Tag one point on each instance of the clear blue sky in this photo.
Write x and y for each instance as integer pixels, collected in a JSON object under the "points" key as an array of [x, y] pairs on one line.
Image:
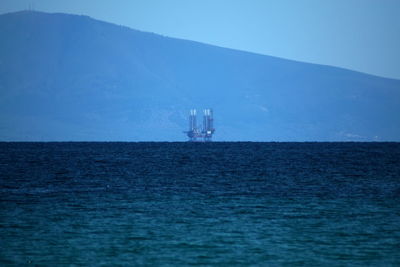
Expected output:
{"points": [[361, 35]]}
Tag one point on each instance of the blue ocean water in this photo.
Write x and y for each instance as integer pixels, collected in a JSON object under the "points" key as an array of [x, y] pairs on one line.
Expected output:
{"points": [[200, 204]]}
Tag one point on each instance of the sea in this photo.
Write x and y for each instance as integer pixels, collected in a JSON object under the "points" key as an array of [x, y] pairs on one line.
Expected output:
{"points": [[204, 204]]}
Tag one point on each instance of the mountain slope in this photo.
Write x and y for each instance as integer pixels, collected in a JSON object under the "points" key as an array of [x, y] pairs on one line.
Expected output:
{"points": [[67, 77]]}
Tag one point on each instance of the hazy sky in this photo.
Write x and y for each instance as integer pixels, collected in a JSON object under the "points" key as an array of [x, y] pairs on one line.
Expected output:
{"points": [[361, 35]]}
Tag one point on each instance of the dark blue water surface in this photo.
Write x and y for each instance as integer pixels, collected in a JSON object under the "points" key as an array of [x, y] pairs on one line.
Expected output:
{"points": [[200, 203]]}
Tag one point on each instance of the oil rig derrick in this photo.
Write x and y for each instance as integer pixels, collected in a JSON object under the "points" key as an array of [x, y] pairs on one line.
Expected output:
{"points": [[197, 133]]}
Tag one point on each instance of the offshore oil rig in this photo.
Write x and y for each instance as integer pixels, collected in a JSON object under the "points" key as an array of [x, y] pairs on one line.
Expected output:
{"points": [[197, 133]]}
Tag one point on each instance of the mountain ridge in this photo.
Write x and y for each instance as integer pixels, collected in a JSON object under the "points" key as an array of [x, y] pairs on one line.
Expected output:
{"points": [[95, 80], [193, 41]]}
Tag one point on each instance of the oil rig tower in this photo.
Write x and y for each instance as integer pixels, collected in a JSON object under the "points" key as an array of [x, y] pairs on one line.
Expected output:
{"points": [[197, 133]]}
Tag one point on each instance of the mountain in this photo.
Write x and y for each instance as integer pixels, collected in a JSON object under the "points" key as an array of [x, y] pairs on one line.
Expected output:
{"points": [[70, 78]]}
